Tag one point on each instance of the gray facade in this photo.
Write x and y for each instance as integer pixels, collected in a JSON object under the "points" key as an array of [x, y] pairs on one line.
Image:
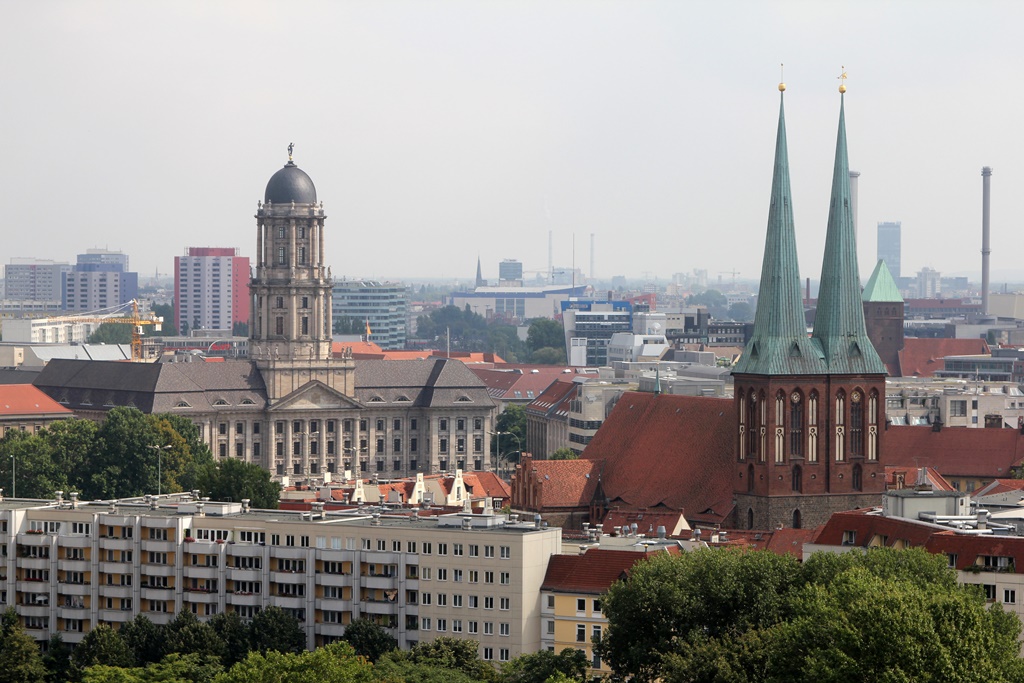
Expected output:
{"points": [[380, 306], [890, 246], [28, 279]]}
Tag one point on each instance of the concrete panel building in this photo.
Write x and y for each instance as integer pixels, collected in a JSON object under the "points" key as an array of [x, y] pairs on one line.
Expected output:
{"points": [[211, 289], [379, 307], [30, 279]]}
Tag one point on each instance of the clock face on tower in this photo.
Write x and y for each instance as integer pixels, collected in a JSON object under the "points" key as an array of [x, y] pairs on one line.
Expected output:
{"points": [[795, 397]]}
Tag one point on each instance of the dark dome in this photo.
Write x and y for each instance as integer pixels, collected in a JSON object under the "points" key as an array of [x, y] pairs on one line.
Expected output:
{"points": [[290, 184]]}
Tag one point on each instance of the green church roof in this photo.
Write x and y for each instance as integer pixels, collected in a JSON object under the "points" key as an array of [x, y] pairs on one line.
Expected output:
{"points": [[839, 321], [881, 286], [779, 344]]}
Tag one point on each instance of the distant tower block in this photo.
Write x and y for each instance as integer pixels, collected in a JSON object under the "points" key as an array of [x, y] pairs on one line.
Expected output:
{"points": [[593, 273], [890, 246]]}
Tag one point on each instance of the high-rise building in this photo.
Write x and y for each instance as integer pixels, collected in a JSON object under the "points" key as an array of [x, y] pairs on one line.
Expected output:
{"points": [[810, 410], [100, 279], [510, 270], [889, 246], [589, 326], [211, 289], [378, 307], [29, 279]]}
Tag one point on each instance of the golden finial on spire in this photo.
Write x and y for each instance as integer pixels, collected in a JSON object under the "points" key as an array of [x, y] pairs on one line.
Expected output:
{"points": [[291, 147], [782, 79], [842, 77]]}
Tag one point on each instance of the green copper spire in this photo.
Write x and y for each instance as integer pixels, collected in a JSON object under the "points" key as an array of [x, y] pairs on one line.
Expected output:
{"points": [[839, 322], [779, 344], [881, 287]]}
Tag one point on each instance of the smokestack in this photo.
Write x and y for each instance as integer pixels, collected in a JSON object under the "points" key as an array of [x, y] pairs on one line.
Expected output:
{"points": [[854, 181], [593, 275], [551, 256], [986, 249]]}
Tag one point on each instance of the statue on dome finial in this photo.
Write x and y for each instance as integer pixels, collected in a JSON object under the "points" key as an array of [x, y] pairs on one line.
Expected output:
{"points": [[291, 148], [842, 77]]}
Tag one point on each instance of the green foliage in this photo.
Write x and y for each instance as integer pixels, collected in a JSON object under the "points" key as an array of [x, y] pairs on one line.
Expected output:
{"points": [[540, 667], [454, 655], [20, 660], [716, 302], [111, 333], [741, 311], [101, 645], [240, 329], [186, 634], [512, 425], [463, 325], [173, 668], [334, 663], [234, 480], [234, 632], [563, 454], [369, 639], [545, 333], [144, 638], [57, 660], [275, 629], [344, 324], [885, 615], [167, 328], [548, 355]]}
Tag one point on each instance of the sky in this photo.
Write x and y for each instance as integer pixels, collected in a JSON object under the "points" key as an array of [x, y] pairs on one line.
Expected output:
{"points": [[438, 132]]}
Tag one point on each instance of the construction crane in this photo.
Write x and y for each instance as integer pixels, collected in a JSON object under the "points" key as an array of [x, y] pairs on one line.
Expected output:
{"points": [[734, 273], [110, 315]]}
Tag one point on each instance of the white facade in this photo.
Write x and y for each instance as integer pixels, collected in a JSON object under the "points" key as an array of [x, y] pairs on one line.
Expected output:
{"points": [[204, 292], [47, 331]]}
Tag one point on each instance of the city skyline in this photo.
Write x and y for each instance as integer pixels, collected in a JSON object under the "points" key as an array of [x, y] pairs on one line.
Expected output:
{"points": [[475, 129]]}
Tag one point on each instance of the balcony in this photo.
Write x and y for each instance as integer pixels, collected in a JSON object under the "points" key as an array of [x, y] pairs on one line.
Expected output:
{"points": [[73, 589], [34, 539], [34, 610], [334, 579], [34, 562], [200, 572], [200, 596], [334, 630], [116, 543], [289, 553], [118, 615], [72, 637], [246, 550], [157, 593], [40, 635], [385, 582], [74, 541], [156, 569], [288, 577], [73, 612], [73, 565], [288, 601], [236, 574], [115, 591], [116, 567], [379, 607], [32, 586], [151, 545], [159, 618], [334, 604], [248, 599]]}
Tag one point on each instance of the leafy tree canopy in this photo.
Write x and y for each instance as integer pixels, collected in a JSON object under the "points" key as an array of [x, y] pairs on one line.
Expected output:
{"points": [[541, 667], [545, 333], [111, 333], [548, 355], [369, 639], [334, 663], [563, 454], [275, 629], [234, 480]]}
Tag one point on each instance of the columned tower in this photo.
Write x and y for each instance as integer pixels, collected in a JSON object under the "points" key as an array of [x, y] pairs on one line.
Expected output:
{"points": [[808, 408], [290, 334]]}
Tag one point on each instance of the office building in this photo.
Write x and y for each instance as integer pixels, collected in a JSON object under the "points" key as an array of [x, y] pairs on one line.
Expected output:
{"points": [[890, 246], [379, 307], [74, 565], [589, 326], [99, 280], [29, 279], [510, 271], [515, 304], [211, 289]]}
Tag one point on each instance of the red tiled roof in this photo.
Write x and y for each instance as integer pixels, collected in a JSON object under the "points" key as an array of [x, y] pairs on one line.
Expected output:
{"points": [[922, 357], [1000, 486], [554, 401], [790, 541], [955, 451], [968, 548], [937, 481], [671, 451], [486, 484], [647, 522], [520, 383], [26, 399], [592, 573], [866, 527], [562, 483]]}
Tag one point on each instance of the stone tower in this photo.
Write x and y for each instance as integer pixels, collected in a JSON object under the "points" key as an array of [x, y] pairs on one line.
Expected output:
{"points": [[290, 334], [883, 315], [808, 409]]}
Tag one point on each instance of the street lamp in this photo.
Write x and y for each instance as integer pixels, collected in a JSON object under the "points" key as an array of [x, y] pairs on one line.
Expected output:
{"points": [[14, 478], [497, 443], [160, 466]]}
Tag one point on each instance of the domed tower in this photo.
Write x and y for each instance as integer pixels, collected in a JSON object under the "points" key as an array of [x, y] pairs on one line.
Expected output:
{"points": [[290, 334]]}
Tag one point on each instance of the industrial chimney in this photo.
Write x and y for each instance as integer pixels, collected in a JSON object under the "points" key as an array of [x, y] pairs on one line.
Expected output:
{"points": [[986, 247]]}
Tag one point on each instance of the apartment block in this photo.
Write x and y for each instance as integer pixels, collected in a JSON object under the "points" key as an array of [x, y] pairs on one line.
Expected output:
{"points": [[211, 289], [69, 566]]}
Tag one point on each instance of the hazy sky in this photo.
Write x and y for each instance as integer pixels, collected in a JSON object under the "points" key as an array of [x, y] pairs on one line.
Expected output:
{"points": [[437, 131]]}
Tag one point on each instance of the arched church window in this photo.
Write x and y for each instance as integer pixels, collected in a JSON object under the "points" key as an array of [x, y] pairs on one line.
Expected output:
{"points": [[858, 478], [798, 479], [796, 424], [856, 423]]}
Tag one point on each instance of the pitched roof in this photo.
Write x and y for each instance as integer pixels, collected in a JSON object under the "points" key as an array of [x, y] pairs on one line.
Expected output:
{"points": [[432, 382], [561, 483], [554, 401], [955, 451], [522, 382], [921, 357], [839, 327], [666, 450], [486, 484], [881, 287], [591, 573], [25, 399], [779, 344], [867, 527]]}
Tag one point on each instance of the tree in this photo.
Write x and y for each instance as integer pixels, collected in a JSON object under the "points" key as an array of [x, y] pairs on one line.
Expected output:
{"points": [[716, 302], [167, 328], [512, 425], [548, 355], [173, 668], [347, 325], [369, 639], [144, 638], [235, 634], [57, 659], [741, 311], [101, 645], [452, 654], [541, 666], [187, 635], [20, 660], [563, 454], [275, 629], [240, 329], [334, 663], [235, 480], [111, 333], [545, 333]]}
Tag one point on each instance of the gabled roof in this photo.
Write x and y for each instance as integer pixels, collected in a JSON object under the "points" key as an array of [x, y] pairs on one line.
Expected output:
{"points": [[955, 451], [25, 399], [881, 287], [667, 451], [839, 328], [591, 573], [554, 401], [419, 383], [864, 528], [779, 345], [562, 483], [521, 382], [483, 484], [921, 357]]}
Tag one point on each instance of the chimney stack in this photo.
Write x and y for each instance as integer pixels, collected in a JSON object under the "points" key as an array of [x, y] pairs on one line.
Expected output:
{"points": [[986, 249]]}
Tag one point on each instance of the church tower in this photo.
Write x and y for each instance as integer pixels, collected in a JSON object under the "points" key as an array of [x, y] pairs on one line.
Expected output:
{"points": [[290, 331], [808, 409]]}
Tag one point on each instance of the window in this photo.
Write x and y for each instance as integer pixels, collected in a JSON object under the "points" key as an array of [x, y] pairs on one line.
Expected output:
{"points": [[503, 654], [597, 607], [442, 624], [442, 548], [472, 627], [474, 550], [990, 592], [457, 600], [488, 551], [473, 601], [505, 578], [506, 552], [442, 574], [551, 602], [503, 629], [442, 599], [505, 604], [958, 408], [488, 628], [488, 652], [442, 425], [1010, 596], [488, 602], [457, 575], [581, 604], [488, 577], [425, 623], [581, 633]]}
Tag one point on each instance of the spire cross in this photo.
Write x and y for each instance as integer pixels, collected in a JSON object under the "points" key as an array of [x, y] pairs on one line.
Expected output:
{"points": [[842, 79], [291, 147]]}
